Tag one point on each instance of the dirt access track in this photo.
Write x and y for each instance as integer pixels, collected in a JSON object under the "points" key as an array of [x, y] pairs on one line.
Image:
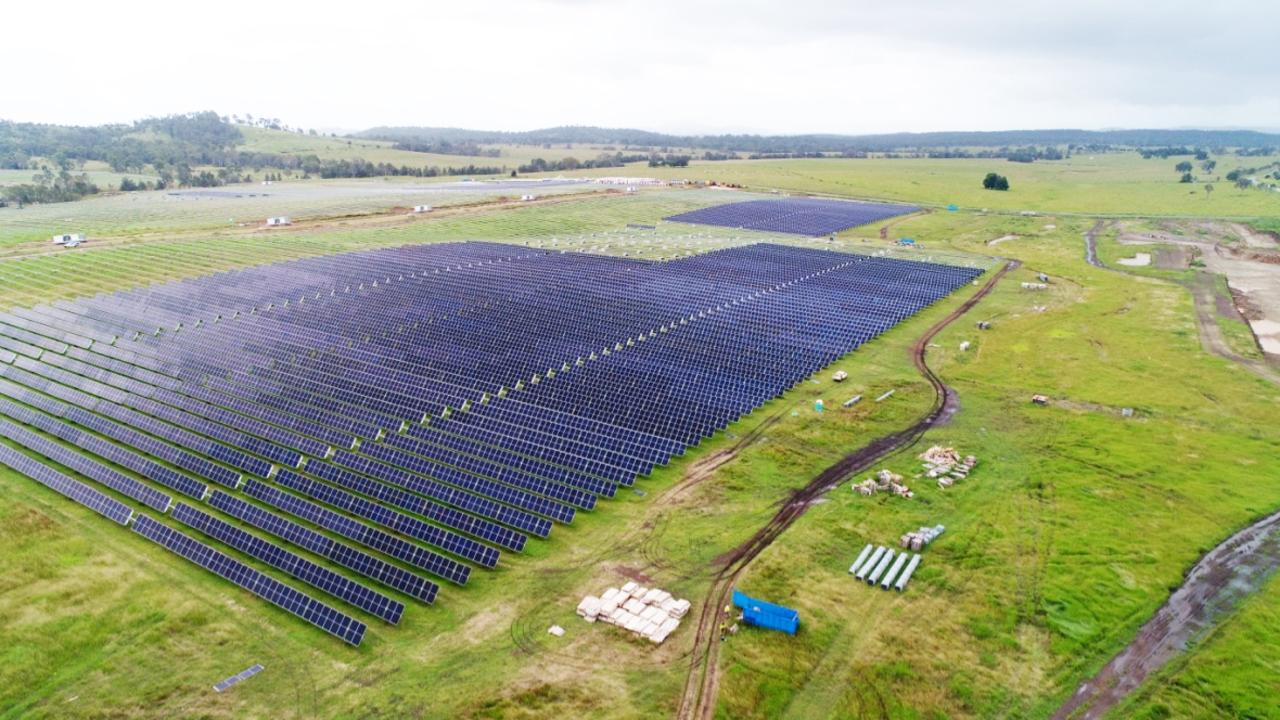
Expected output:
{"points": [[699, 697], [1250, 261]]}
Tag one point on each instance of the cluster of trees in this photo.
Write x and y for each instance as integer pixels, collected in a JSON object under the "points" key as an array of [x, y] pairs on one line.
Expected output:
{"points": [[266, 123], [669, 160], [995, 182], [603, 160], [1253, 177], [48, 186], [1165, 152], [360, 168], [446, 148], [189, 150], [1185, 168]]}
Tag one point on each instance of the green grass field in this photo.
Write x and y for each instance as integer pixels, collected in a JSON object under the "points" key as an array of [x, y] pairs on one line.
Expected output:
{"points": [[1066, 538], [330, 148], [1232, 673], [1107, 184]]}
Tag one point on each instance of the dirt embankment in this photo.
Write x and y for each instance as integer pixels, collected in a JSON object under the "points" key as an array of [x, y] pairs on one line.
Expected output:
{"points": [[1248, 259]]}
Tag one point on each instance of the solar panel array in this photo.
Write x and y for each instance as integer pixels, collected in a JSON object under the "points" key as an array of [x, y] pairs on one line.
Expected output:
{"points": [[407, 415], [797, 216]]}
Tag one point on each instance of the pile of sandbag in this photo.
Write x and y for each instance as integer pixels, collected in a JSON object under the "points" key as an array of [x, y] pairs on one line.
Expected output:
{"points": [[884, 481], [652, 613], [945, 464], [917, 539]]}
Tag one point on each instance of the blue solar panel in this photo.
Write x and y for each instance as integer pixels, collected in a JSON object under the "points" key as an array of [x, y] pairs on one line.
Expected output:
{"points": [[91, 469], [798, 216], [312, 574], [390, 545], [107, 507], [474, 395], [344, 555], [268, 588]]}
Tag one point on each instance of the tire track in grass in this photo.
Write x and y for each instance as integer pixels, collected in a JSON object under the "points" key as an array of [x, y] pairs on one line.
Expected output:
{"points": [[699, 697]]}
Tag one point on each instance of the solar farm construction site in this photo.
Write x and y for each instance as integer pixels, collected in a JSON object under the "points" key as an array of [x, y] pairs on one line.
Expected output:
{"points": [[640, 440], [399, 400]]}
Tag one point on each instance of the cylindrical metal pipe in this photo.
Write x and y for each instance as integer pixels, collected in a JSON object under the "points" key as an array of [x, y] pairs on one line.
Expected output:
{"points": [[883, 565], [862, 556], [906, 573], [887, 580], [870, 564]]}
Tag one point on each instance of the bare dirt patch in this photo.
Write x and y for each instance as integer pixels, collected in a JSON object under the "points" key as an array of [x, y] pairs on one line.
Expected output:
{"points": [[1138, 260], [1253, 273]]}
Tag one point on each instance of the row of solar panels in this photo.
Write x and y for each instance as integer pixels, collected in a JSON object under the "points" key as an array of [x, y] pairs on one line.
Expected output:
{"points": [[328, 421]]}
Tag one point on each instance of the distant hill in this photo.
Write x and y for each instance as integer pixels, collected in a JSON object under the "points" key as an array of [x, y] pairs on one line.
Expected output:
{"points": [[826, 143]]}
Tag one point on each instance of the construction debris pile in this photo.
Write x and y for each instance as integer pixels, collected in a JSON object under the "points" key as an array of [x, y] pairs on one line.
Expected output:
{"points": [[918, 539], [945, 464], [649, 612], [884, 481], [882, 565]]}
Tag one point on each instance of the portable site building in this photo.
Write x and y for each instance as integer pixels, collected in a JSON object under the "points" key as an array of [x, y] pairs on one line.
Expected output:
{"points": [[765, 614], [280, 221], [68, 238], [422, 208]]}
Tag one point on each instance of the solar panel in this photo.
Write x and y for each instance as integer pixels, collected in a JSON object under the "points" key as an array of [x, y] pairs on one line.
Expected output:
{"points": [[361, 562], [463, 396], [105, 506], [390, 545], [268, 588], [117, 481], [800, 216], [312, 574], [239, 677]]}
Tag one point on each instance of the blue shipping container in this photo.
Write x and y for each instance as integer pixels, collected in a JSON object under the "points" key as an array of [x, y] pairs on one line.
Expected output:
{"points": [[765, 614]]}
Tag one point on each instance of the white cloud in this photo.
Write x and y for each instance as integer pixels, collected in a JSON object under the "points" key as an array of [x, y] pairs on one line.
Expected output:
{"points": [[745, 65]]}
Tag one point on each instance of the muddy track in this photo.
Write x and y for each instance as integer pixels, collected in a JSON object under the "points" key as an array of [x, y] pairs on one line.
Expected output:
{"points": [[1214, 586], [1091, 245], [699, 697]]}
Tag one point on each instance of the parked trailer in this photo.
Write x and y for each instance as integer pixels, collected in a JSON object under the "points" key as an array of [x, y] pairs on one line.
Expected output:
{"points": [[887, 581], [906, 573], [874, 577], [862, 556], [871, 562], [765, 614]]}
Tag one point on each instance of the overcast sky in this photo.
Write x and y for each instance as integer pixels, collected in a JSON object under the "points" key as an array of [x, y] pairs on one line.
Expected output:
{"points": [[787, 66]]}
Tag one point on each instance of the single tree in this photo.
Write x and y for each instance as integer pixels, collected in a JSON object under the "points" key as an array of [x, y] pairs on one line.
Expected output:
{"points": [[1183, 167], [995, 182], [1208, 189], [1187, 178]]}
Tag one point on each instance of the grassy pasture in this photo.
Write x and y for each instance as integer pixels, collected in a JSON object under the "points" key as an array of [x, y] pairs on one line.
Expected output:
{"points": [[1232, 673], [1104, 184], [1066, 538], [331, 148], [237, 206]]}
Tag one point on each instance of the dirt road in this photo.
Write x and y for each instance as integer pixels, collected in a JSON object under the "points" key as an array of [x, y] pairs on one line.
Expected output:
{"points": [[701, 686]]}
